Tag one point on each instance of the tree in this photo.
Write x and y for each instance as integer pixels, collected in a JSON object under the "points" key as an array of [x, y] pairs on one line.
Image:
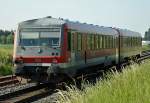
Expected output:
{"points": [[147, 35], [9, 39], [6, 37], [3, 39]]}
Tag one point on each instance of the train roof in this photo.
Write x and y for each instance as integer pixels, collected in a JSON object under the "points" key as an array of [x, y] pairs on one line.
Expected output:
{"points": [[126, 32], [82, 27]]}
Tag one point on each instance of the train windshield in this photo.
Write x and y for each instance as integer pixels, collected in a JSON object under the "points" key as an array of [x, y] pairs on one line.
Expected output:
{"points": [[40, 38]]}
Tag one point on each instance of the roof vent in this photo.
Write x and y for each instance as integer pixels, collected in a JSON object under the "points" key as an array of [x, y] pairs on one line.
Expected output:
{"points": [[61, 18], [49, 17]]}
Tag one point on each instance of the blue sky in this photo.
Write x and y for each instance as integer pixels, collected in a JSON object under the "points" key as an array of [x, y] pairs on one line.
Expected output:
{"points": [[128, 14]]}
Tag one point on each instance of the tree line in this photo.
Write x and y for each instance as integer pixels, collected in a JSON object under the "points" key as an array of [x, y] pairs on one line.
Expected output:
{"points": [[147, 35], [6, 37]]}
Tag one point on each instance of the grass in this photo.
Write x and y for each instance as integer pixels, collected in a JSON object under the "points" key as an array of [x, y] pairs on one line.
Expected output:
{"points": [[6, 59], [146, 47], [130, 86]]}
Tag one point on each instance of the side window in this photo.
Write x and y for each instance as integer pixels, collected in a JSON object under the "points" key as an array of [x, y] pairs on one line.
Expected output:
{"points": [[110, 42], [72, 41], [69, 41], [92, 42], [129, 40], [100, 42], [108, 39], [123, 41], [96, 42], [132, 41], [104, 42], [136, 43], [79, 41], [88, 42], [114, 42]]}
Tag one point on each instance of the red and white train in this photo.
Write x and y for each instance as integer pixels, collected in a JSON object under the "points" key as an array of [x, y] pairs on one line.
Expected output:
{"points": [[53, 49]]}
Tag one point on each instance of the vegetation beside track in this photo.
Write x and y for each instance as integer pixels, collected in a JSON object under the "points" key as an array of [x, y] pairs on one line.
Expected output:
{"points": [[6, 59], [130, 86], [145, 47]]}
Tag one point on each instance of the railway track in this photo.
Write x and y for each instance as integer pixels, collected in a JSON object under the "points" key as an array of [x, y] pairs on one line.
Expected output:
{"points": [[8, 80], [145, 55], [28, 94]]}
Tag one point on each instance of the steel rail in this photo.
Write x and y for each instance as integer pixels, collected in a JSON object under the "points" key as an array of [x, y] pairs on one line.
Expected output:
{"points": [[27, 94]]}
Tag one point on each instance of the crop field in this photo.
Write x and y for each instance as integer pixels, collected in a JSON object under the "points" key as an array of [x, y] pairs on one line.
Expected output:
{"points": [[6, 66], [130, 86]]}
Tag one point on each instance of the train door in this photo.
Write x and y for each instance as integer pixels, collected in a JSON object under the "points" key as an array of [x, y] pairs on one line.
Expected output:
{"points": [[84, 47], [72, 46], [117, 48]]}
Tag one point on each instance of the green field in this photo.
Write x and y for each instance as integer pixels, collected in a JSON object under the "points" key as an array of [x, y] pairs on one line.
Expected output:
{"points": [[130, 86], [145, 47], [6, 65]]}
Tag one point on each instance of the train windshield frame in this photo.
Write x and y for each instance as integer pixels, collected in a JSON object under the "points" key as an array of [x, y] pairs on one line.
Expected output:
{"points": [[50, 37]]}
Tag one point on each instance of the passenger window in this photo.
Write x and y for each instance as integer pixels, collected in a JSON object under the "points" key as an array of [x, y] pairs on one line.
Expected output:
{"points": [[131, 42], [96, 42], [110, 42], [72, 42], [79, 41], [128, 41], [92, 42], [114, 42], [88, 42], [69, 41], [136, 41], [100, 42], [104, 42]]}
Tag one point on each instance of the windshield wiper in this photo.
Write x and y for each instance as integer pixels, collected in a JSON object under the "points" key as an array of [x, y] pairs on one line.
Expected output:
{"points": [[22, 47]]}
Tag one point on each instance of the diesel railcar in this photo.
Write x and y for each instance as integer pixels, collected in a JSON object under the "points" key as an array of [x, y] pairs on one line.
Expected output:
{"points": [[52, 49]]}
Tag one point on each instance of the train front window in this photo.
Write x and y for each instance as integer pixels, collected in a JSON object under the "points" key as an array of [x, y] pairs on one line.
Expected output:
{"points": [[29, 39], [50, 39], [40, 37]]}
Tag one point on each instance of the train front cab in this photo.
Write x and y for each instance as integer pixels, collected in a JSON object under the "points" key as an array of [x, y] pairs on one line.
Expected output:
{"points": [[37, 49]]}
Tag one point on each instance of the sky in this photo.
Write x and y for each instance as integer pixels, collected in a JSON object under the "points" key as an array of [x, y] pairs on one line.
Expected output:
{"points": [[127, 14]]}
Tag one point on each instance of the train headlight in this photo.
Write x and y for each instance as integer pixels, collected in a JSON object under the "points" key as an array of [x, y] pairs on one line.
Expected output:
{"points": [[20, 61]]}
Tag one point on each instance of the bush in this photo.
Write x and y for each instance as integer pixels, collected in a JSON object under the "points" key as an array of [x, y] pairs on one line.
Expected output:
{"points": [[5, 59], [5, 69]]}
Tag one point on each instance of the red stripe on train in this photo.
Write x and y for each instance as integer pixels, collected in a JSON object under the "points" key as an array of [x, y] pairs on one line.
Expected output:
{"points": [[41, 59]]}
